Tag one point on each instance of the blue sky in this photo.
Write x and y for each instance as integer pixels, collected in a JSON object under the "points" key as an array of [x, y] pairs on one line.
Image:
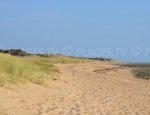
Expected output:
{"points": [[86, 24]]}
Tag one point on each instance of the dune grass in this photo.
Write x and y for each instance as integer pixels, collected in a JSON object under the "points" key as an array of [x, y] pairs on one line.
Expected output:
{"points": [[16, 70]]}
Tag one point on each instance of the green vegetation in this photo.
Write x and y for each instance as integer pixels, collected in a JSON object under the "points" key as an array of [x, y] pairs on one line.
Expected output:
{"points": [[15, 70], [35, 69], [15, 52], [101, 59], [140, 70], [143, 73]]}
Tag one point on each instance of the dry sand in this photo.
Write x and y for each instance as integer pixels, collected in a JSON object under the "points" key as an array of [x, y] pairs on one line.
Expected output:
{"points": [[91, 88]]}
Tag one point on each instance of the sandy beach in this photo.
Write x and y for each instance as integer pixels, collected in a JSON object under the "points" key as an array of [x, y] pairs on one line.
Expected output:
{"points": [[90, 88]]}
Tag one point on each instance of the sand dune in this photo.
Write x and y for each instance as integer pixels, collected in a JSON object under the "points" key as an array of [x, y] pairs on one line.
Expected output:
{"points": [[91, 88]]}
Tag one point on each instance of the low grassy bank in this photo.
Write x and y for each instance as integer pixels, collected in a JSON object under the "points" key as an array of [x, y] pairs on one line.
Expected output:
{"points": [[143, 73], [16, 70], [140, 70]]}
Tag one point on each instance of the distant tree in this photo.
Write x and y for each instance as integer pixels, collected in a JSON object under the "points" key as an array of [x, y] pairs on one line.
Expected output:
{"points": [[1, 51], [15, 52]]}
